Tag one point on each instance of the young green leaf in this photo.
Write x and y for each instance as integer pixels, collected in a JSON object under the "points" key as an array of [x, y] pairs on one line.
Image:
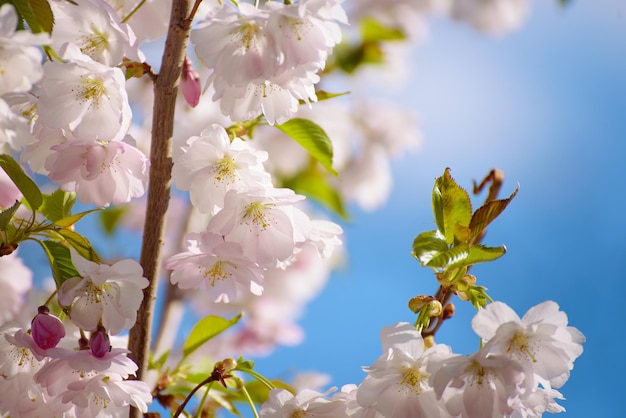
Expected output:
{"points": [[314, 183], [312, 138], [485, 214], [60, 261], [80, 244], [428, 245], [205, 329], [481, 254], [374, 31], [453, 209], [57, 205], [29, 189], [37, 14], [111, 217], [450, 258], [7, 214], [72, 219]]}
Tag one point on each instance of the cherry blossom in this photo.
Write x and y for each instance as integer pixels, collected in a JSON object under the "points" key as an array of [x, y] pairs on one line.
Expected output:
{"points": [[282, 403], [211, 165], [265, 223], [99, 172], [397, 384], [104, 294], [84, 96], [12, 291], [491, 16], [20, 59], [14, 129], [541, 339], [96, 29], [215, 265]]}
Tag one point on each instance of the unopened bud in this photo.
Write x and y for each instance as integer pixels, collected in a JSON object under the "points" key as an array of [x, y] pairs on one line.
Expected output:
{"points": [[190, 84], [417, 303], [448, 311], [99, 342], [435, 308], [47, 329], [463, 286], [229, 364]]}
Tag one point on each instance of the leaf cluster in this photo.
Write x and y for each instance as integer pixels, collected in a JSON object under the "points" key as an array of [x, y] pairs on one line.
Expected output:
{"points": [[50, 222], [452, 248]]}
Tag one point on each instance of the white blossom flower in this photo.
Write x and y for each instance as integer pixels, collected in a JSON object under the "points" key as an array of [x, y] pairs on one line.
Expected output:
{"points": [[482, 385], [99, 172], [541, 339], [217, 266], [85, 97], [96, 29], [211, 165], [150, 21], [491, 16], [14, 129], [282, 403], [15, 278], [264, 222], [397, 384], [102, 293], [20, 59]]}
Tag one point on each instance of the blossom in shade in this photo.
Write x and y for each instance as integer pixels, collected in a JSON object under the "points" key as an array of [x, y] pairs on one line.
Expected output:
{"points": [[210, 165], [15, 278], [541, 340], [481, 385], [109, 295], [14, 129], [491, 16], [215, 265], [99, 172], [397, 384], [84, 96], [20, 59], [47, 329], [282, 403]]}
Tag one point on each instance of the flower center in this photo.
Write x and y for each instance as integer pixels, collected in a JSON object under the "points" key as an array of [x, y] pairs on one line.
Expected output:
{"points": [[91, 90], [413, 380], [298, 414], [94, 44], [225, 170], [256, 214], [217, 272], [521, 346]]}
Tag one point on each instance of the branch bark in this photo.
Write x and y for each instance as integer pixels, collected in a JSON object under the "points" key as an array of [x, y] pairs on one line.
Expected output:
{"points": [[165, 91]]}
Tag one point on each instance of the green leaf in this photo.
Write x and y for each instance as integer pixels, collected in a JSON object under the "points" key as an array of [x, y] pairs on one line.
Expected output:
{"points": [[57, 205], [37, 14], [314, 183], [564, 2], [324, 95], [374, 31], [72, 219], [312, 138], [428, 245], [29, 189], [485, 214], [60, 261], [80, 244], [111, 217], [158, 363], [450, 258], [481, 254], [7, 214], [207, 328], [453, 209]]}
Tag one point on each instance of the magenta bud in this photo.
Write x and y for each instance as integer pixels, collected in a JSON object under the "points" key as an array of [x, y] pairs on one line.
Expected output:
{"points": [[190, 84], [47, 329], [99, 343]]}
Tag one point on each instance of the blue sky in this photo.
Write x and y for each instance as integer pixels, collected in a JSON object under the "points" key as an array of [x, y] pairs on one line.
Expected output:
{"points": [[546, 104]]}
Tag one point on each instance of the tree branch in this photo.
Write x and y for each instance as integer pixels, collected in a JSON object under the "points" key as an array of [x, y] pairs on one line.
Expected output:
{"points": [[165, 91]]}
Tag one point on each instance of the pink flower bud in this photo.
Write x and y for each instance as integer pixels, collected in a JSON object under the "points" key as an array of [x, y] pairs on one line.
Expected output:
{"points": [[99, 343], [47, 329], [190, 84]]}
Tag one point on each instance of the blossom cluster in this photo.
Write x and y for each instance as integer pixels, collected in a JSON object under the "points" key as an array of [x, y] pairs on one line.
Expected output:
{"points": [[51, 368], [516, 373]]}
